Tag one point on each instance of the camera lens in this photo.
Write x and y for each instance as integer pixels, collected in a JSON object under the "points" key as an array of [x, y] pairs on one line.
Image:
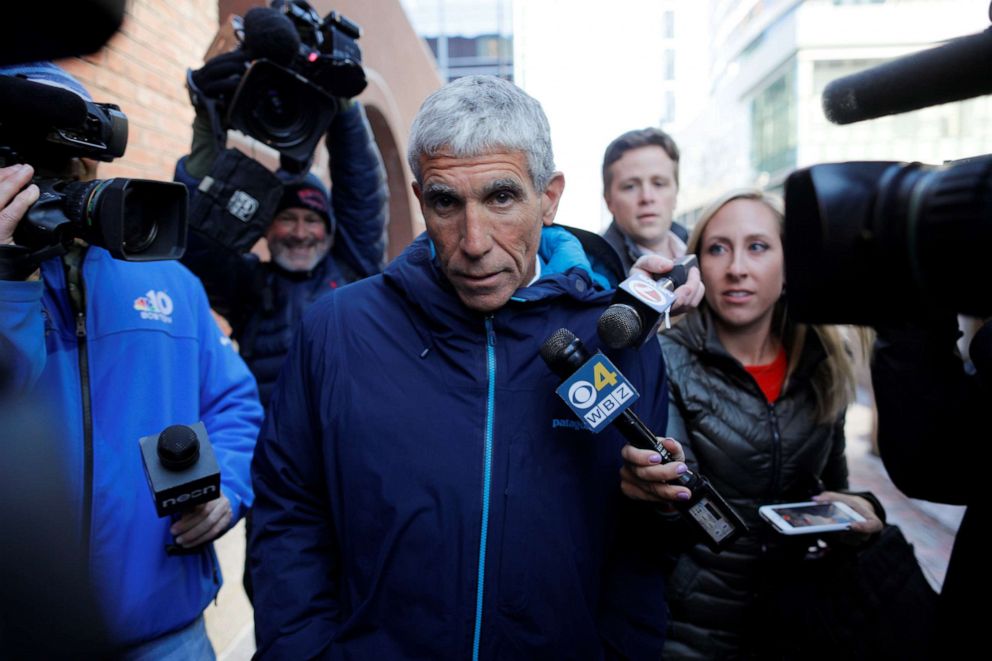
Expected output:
{"points": [[281, 108], [141, 229], [283, 117]]}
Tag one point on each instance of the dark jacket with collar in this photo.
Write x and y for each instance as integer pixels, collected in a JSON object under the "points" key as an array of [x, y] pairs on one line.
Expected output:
{"points": [[754, 453], [422, 492], [627, 250]]}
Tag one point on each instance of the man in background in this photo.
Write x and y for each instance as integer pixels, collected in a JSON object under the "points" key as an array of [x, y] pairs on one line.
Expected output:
{"points": [[640, 186]]}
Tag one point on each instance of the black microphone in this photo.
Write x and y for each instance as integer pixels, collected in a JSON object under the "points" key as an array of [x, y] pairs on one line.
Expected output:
{"points": [[271, 35], [954, 71], [706, 511], [181, 470], [27, 103], [639, 306]]}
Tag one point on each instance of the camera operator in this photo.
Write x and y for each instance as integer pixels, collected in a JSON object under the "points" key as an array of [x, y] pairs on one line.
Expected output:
{"points": [[119, 350], [318, 242]]}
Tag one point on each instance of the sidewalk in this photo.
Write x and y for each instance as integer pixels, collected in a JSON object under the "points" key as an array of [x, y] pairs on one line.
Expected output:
{"points": [[229, 618]]}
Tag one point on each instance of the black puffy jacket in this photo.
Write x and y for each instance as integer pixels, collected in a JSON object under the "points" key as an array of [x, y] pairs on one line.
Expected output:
{"points": [[754, 453]]}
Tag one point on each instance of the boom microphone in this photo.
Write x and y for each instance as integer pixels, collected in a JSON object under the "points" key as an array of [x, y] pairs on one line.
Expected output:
{"points": [[31, 104], [270, 34], [954, 71]]}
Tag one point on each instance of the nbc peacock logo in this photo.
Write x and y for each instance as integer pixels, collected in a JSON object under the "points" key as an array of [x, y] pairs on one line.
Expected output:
{"points": [[154, 305]]}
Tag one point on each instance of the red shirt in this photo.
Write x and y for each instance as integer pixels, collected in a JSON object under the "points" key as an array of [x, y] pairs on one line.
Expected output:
{"points": [[770, 377]]}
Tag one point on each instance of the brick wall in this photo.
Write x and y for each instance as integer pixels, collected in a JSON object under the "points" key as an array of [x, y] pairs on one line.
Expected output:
{"points": [[143, 70]]}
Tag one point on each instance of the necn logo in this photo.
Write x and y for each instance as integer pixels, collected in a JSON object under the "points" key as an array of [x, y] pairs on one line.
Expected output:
{"points": [[154, 305]]}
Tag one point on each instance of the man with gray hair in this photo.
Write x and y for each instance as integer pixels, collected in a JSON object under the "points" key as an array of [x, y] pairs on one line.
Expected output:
{"points": [[420, 489]]}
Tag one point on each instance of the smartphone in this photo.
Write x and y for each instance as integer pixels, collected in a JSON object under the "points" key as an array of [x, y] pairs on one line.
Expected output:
{"points": [[810, 517]]}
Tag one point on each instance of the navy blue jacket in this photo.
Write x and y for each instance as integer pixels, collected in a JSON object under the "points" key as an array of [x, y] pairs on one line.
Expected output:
{"points": [[265, 303], [421, 492]]}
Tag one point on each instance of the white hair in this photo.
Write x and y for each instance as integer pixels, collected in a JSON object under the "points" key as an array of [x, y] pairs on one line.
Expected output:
{"points": [[477, 115]]}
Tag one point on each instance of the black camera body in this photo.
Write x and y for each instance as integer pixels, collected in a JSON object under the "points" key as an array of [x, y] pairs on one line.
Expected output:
{"points": [[300, 65], [879, 243], [46, 127], [329, 54], [100, 133]]}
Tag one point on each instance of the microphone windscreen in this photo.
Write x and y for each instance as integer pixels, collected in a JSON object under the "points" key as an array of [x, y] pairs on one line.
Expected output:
{"points": [[270, 35], [954, 71], [553, 349], [29, 104], [620, 326]]}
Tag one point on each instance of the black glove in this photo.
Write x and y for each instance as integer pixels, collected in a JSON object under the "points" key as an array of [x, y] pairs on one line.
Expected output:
{"points": [[219, 77]]}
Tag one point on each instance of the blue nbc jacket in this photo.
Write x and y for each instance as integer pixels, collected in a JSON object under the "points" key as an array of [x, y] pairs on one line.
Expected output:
{"points": [[422, 492], [145, 354]]}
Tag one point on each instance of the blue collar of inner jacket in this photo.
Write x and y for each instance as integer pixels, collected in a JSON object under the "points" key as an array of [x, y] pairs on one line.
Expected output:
{"points": [[559, 251]]}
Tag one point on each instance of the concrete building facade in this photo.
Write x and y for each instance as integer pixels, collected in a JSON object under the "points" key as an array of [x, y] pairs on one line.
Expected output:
{"points": [[467, 37], [768, 62]]}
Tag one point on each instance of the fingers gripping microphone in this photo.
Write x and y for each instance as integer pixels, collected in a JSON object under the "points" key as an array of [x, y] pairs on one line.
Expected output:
{"points": [[639, 306], [586, 379]]}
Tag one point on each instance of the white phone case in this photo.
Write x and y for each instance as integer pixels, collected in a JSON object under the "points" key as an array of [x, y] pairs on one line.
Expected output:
{"points": [[809, 517]]}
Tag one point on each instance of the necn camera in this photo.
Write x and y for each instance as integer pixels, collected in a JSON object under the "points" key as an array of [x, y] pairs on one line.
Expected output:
{"points": [[47, 126], [300, 65]]}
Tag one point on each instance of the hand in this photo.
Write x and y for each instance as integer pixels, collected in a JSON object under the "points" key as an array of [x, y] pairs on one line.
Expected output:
{"points": [[203, 524], [218, 78], [861, 530], [15, 202], [644, 477], [688, 296]]}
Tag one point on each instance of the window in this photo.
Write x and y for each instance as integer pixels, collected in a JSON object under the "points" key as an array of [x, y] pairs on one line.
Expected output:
{"points": [[668, 24], [773, 125], [668, 114], [669, 64]]}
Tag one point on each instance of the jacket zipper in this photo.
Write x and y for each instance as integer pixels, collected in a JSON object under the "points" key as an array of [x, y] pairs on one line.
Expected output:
{"points": [[486, 480], [84, 389], [776, 451]]}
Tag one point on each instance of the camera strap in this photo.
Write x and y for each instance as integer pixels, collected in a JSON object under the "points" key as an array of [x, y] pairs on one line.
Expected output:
{"points": [[235, 203]]}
